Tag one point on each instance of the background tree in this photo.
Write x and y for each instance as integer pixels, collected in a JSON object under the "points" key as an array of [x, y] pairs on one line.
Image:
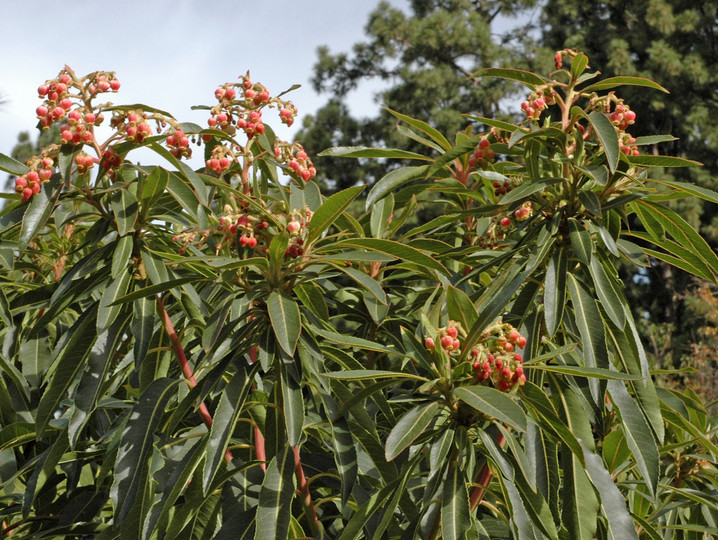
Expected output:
{"points": [[425, 57], [675, 42]]}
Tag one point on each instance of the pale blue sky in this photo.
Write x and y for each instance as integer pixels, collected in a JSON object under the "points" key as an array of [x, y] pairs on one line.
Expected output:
{"points": [[172, 54]]}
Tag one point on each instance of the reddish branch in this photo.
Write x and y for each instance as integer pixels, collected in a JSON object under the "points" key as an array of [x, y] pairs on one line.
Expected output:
{"points": [[259, 447], [7, 531], [483, 479], [303, 488], [184, 365]]}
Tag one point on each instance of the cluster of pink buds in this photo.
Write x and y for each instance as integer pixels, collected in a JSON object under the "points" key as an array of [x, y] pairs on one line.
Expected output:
{"points": [[287, 114], [133, 125], [483, 155], [28, 185], [536, 103], [240, 228], [622, 116], [178, 144], [84, 162], [240, 106], [296, 160], [495, 357], [448, 338], [111, 160], [56, 100], [103, 82], [220, 160], [77, 129], [625, 143], [297, 229]]}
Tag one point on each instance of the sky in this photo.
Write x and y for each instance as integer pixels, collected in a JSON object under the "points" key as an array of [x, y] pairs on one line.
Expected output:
{"points": [[172, 54]]}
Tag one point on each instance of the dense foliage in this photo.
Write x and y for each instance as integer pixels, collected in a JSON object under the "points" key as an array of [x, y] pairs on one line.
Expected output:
{"points": [[226, 353]]}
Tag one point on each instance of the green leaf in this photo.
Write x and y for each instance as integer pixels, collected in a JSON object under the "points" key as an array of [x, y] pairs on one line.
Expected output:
{"points": [[646, 160], [285, 318], [392, 181], [381, 215], [608, 292], [580, 240], [613, 503], [455, 514], [185, 171], [44, 471], [579, 502], [607, 136], [369, 283], [153, 187], [460, 307], [125, 208], [613, 82], [12, 166], [691, 189], [555, 290], [38, 211], [527, 189], [461, 149], [638, 434], [504, 126], [121, 255], [494, 404], [311, 296], [589, 372], [136, 445], [394, 249], [154, 290], [526, 77], [590, 325], [109, 307], [225, 418], [367, 152], [412, 424], [275, 497], [425, 128], [330, 210], [293, 407], [68, 364], [578, 65], [370, 374]]}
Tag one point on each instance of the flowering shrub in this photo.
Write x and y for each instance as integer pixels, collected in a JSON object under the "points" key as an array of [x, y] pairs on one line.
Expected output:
{"points": [[224, 351]]}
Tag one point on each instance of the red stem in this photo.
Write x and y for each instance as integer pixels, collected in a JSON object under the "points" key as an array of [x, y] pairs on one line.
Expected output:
{"points": [[483, 479], [184, 365], [259, 447], [303, 488]]}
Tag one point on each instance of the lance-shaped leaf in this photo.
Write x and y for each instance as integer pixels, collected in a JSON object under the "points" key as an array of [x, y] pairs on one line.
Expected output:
{"points": [[455, 514], [623, 80], [395, 249], [608, 291], [225, 417], [526, 77], [39, 210], [580, 240], [607, 136], [460, 307], [136, 444], [126, 209], [109, 309], [494, 404], [12, 166], [153, 187], [619, 521], [579, 509], [275, 497], [285, 318], [69, 362], [590, 328], [555, 290], [367, 152], [411, 425], [392, 181], [293, 406], [330, 210], [638, 434]]}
